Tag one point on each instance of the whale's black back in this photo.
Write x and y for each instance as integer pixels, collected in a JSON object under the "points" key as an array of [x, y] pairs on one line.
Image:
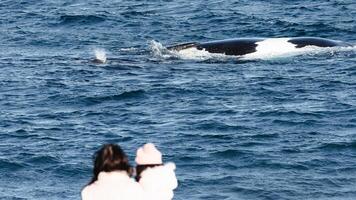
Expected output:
{"points": [[182, 46], [312, 41], [230, 47]]}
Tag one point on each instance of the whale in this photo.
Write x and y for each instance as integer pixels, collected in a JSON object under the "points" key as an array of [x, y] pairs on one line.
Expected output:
{"points": [[248, 46]]}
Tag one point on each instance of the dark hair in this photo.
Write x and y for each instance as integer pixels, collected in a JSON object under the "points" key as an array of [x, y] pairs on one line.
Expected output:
{"points": [[141, 168], [110, 157]]}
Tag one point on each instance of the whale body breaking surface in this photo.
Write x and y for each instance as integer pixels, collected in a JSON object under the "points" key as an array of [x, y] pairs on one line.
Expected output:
{"points": [[258, 47]]}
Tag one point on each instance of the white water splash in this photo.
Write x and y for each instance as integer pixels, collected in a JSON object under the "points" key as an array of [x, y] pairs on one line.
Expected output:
{"points": [[100, 55], [196, 54], [158, 50]]}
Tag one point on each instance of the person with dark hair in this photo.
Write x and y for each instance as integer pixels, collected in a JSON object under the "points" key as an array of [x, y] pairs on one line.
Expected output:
{"points": [[111, 177], [158, 180]]}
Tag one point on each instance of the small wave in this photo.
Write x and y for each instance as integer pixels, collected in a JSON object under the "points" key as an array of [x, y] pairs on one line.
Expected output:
{"points": [[265, 136], [217, 137], [69, 169], [186, 159], [43, 159], [230, 153], [280, 165], [129, 49], [81, 19], [135, 13], [11, 165], [339, 146], [117, 97], [301, 122], [289, 113], [212, 125]]}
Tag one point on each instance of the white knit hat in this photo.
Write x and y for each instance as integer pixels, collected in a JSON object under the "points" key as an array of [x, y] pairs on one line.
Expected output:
{"points": [[148, 155]]}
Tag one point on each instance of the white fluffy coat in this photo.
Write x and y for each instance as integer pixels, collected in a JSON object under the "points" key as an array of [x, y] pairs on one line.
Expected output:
{"points": [[159, 182], [115, 185]]}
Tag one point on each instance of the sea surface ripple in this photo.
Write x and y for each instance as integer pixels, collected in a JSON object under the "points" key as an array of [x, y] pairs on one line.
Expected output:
{"points": [[264, 129]]}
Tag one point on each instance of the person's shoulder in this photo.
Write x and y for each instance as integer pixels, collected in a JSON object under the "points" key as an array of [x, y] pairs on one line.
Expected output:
{"points": [[159, 176], [86, 192]]}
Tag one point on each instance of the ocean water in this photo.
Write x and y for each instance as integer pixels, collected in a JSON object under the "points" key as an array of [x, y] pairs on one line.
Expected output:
{"points": [[274, 128]]}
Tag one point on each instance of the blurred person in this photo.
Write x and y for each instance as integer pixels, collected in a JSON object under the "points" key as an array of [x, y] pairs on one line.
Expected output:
{"points": [[111, 177], [158, 180]]}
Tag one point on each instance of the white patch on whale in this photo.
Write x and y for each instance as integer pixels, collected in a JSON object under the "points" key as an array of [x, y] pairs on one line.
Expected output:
{"points": [[275, 48]]}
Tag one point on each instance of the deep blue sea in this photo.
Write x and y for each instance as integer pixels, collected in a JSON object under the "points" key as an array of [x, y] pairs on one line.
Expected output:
{"points": [[266, 129]]}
